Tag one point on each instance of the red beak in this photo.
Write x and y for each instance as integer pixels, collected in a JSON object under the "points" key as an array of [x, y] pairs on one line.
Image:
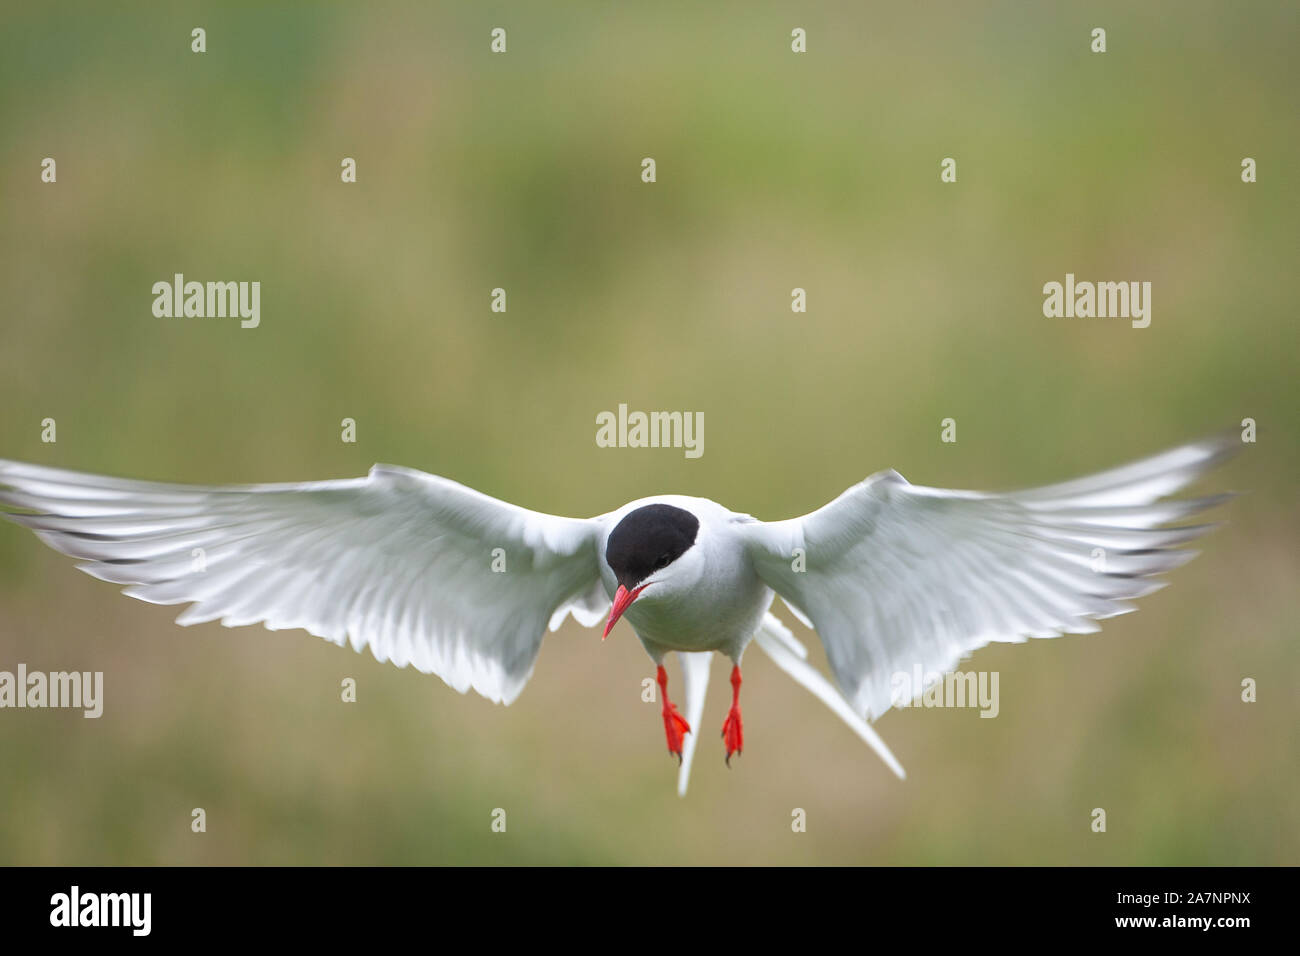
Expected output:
{"points": [[623, 599]]}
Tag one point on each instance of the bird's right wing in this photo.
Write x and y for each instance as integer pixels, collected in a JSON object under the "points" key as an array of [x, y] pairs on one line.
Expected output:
{"points": [[420, 569], [897, 577]]}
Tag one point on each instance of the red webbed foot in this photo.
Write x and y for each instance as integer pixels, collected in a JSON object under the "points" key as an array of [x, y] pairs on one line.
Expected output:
{"points": [[733, 732], [675, 725], [675, 728]]}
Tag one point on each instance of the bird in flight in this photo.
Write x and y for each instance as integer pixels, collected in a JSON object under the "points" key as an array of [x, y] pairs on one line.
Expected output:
{"points": [[427, 572]]}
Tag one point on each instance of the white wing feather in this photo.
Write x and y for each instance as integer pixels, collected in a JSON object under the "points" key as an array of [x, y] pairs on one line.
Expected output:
{"points": [[899, 575], [399, 561]]}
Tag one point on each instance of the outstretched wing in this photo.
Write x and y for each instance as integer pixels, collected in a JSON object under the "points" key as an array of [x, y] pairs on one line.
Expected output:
{"points": [[420, 569], [894, 576]]}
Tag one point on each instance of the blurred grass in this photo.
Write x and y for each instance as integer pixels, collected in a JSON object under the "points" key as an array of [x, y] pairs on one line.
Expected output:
{"points": [[775, 171]]}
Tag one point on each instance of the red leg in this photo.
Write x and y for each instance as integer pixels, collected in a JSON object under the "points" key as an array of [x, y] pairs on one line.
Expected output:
{"points": [[732, 730], [675, 725]]}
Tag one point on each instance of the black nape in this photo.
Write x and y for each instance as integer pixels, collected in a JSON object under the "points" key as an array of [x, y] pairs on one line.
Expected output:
{"points": [[647, 540]]}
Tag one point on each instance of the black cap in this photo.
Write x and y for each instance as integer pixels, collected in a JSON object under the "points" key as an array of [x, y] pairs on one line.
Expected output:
{"points": [[648, 539]]}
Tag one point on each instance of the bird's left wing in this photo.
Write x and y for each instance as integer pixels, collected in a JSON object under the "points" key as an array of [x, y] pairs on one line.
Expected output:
{"points": [[420, 569], [897, 577]]}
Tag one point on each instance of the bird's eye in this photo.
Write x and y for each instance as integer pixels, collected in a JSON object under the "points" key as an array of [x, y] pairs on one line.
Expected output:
{"points": [[663, 562]]}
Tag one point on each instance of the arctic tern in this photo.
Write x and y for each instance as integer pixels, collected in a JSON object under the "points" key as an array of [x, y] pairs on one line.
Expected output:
{"points": [[428, 572]]}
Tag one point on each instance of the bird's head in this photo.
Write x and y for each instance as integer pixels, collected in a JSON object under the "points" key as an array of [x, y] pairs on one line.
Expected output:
{"points": [[652, 553]]}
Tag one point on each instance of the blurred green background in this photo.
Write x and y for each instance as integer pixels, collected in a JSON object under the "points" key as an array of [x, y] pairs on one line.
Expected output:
{"points": [[775, 170]]}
